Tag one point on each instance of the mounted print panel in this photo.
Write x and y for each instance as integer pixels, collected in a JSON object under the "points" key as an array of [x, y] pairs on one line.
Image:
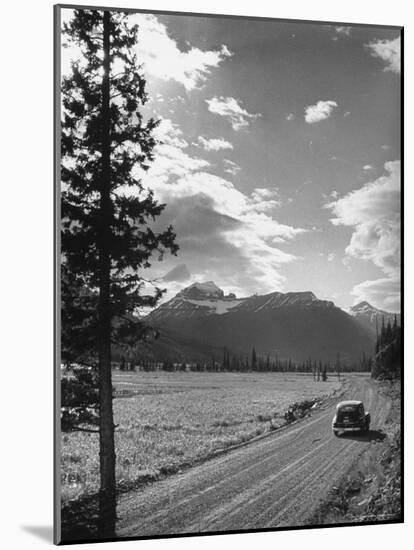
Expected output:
{"points": [[228, 288]]}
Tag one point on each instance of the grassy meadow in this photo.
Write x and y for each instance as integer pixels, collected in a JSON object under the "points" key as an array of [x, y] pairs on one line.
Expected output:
{"points": [[169, 420]]}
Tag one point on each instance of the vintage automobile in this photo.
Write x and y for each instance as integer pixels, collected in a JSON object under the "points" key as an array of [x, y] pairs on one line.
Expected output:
{"points": [[350, 416]]}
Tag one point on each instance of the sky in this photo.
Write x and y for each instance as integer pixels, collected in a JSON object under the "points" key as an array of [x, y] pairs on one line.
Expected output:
{"points": [[279, 155]]}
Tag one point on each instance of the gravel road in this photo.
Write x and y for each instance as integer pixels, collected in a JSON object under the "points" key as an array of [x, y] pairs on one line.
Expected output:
{"points": [[273, 482]]}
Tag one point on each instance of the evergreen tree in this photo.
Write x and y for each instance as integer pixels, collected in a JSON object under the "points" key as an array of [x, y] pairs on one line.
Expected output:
{"points": [[388, 358], [382, 337], [388, 332], [254, 360], [213, 363], [338, 365], [106, 238], [395, 325], [226, 360]]}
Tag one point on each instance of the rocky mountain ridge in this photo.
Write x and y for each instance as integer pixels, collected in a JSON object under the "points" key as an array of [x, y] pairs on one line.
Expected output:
{"points": [[201, 299]]}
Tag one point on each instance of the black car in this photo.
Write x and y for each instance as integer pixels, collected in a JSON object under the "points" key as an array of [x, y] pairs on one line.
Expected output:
{"points": [[350, 416]]}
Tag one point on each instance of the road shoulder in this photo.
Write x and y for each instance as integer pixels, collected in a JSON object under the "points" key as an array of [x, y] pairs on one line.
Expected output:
{"points": [[371, 489]]}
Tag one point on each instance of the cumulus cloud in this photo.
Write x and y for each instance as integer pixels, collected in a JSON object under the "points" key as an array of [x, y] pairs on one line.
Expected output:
{"points": [[265, 199], [373, 212], [290, 117], [162, 57], [320, 111], [231, 167], [171, 158], [214, 144], [224, 234], [261, 193], [389, 51], [230, 108], [383, 293]]}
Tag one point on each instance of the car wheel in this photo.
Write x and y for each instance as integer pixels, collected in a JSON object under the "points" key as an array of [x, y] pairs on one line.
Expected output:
{"points": [[336, 433]]}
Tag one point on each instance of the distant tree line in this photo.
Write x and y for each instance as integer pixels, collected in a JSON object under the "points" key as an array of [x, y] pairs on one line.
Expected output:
{"points": [[249, 362]]}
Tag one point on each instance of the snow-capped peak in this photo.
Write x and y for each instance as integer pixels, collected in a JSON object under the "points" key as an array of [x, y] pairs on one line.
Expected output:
{"points": [[202, 290], [363, 307]]}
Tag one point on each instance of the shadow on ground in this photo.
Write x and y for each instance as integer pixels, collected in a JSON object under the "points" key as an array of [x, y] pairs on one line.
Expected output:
{"points": [[43, 532], [372, 435]]}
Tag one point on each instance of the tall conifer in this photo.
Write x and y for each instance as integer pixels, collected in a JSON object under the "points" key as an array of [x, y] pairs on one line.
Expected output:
{"points": [[106, 214]]}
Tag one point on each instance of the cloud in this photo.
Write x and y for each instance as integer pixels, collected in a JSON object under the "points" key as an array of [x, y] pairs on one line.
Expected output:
{"points": [[162, 57], [178, 273], [231, 167], [383, 293], [230, 108], [389, 51], [169, 133], [320, 111], [331, 256], [261, 193], [171, 159], [368, 168], [290, 117], [214, 144], [224, 234], [373, 212], [265, 199]]}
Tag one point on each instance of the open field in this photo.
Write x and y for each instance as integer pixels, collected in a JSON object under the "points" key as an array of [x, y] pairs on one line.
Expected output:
{"points": [[168, 420]]}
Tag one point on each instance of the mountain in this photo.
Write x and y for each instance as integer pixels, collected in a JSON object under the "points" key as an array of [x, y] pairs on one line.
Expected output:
{"points": [[368, 316], [197, 300], [203, 291], [201, 320], [276, 300]]}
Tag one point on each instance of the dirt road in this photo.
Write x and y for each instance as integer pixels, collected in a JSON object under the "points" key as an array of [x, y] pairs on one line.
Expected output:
{"points": [[274, 482]]}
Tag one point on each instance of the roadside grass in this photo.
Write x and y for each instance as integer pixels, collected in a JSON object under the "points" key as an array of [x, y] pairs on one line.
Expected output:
{"points": [[173, 420], [371, 491]]}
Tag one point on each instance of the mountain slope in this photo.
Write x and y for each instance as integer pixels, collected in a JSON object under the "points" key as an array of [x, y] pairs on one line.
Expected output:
{"points": [[294, 325], [197, 300], [370, 317]]}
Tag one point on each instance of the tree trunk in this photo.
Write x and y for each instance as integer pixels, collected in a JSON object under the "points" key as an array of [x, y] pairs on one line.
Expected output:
{"points": [[107, 495]]}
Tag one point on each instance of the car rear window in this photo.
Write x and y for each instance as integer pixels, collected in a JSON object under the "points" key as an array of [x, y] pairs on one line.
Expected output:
{"points": [[348, 412]]}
